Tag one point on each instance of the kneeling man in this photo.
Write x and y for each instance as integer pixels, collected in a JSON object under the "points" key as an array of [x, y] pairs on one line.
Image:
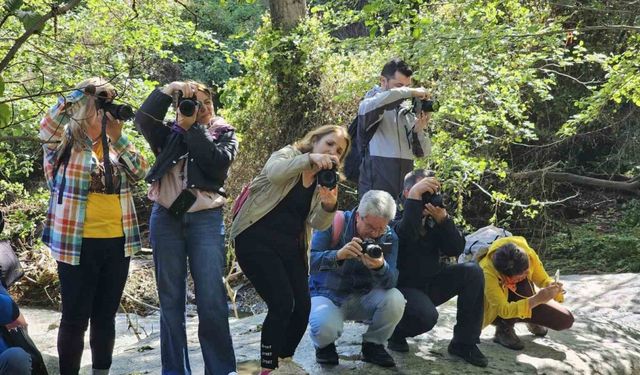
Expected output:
{"points": [[427, 233], [351, 280]]}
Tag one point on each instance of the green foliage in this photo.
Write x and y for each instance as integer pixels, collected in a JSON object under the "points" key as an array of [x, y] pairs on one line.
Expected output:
{"points": [[598, 247]]}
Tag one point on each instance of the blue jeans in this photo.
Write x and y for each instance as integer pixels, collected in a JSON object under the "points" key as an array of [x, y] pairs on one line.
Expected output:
{"points": [[197, 238], [381, 308], [15, 361]]}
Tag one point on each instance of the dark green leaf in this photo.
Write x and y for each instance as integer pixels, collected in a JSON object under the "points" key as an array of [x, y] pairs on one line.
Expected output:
{"points": [[5, 114], [11, 6], [29, 19]]}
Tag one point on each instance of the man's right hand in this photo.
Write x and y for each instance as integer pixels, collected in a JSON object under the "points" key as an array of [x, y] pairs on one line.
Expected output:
{"points": [[420, 92], [427, 184], [19, 322], [350, 250]]}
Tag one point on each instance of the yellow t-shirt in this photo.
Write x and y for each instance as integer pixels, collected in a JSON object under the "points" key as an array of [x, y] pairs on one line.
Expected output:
{"points": [[103, 215]]}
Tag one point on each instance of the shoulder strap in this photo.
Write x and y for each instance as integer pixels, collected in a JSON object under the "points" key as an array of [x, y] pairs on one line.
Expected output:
{"points": [[337, 227]]}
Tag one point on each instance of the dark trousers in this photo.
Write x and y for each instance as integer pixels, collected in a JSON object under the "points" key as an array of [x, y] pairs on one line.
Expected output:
{"points": [[279, 275], [465, 280], [550, 314], [91, 291]]}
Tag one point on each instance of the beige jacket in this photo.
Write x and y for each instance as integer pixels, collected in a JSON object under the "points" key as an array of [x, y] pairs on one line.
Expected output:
{"points": [[280, 174]]}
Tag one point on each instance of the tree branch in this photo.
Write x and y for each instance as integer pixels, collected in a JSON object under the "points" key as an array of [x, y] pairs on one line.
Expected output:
{"points": [[632, 185], [35, 27], [520, 204]]}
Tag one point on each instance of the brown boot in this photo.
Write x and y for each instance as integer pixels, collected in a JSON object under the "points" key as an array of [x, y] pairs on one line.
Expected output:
{"points": [[537, 330], [506, 335]]}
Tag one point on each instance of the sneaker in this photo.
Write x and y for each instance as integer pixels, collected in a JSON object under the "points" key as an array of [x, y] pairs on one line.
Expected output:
{"points": [[537, 330], [376, 354], [468, 352], [327, 355], [398, 344], [286, 366], [506, 336]]}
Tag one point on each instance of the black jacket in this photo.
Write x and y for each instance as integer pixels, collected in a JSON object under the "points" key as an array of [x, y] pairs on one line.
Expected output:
{"points": [[420, 246], [209, 159]]}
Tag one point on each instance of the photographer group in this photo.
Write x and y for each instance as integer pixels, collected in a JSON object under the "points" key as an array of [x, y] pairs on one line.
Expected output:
{"points": [[379, 263]]}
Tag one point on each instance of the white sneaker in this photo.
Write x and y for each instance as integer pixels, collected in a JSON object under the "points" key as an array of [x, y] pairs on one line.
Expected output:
{"points": [[286, 366]]}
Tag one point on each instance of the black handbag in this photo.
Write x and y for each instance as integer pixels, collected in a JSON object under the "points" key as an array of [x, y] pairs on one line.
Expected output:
{"points": [[20, 338]]}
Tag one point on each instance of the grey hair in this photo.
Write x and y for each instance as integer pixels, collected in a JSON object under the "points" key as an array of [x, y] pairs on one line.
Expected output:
{"points": [[377, 203]]}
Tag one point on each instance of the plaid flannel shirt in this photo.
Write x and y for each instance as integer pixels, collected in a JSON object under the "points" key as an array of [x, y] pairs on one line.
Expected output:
{"points": [[63, 226]]}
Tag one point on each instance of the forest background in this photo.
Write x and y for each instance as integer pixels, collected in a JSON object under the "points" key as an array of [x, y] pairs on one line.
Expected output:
{"points": [[538, 130]]}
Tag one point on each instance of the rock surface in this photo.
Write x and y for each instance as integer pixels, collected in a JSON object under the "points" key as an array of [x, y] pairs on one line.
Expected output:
{"points": [[605, 339]]}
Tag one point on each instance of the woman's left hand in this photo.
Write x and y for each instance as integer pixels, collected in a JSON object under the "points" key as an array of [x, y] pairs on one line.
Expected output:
{"points": [[114, 128], [329, 198]]}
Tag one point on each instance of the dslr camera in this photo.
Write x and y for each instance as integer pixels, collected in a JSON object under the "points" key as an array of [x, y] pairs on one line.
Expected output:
{"points": [[187, 106], [434, 199], [118, 111], [420, 106], [371, 248], [328, 177]]}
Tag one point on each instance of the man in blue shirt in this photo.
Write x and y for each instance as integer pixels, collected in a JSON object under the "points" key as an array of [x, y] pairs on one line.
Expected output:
{"points": [[347, 284]]}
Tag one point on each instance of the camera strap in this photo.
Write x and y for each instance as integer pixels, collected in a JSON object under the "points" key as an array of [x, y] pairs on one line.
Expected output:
{"points": [[108, 171]]}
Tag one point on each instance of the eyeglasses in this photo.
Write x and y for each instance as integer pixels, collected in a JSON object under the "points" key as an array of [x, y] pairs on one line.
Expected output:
{"points": [[371, 229]]}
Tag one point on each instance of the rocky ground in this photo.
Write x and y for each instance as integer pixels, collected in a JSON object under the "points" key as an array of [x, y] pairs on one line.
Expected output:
{"points": [[605, 339]]}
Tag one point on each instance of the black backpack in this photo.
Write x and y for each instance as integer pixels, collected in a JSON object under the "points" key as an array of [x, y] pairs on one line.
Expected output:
{"points": [[358, 149]]}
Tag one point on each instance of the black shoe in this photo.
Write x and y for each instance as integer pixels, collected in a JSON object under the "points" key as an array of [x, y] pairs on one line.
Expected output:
{"points": [[398, 344], [376, 354], [470, 353], [327, 355]]}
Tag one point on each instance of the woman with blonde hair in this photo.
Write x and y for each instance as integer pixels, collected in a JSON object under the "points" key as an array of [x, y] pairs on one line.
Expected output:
{"points": [[91, 225], [272, 231]]}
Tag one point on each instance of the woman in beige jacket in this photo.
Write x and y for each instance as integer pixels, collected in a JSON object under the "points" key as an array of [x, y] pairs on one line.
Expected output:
{"points": [[272, 230]]}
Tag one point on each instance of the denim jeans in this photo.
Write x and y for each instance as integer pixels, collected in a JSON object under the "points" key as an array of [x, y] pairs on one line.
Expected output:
{"points": [[381, 308], [15, 361], [196, 238]]}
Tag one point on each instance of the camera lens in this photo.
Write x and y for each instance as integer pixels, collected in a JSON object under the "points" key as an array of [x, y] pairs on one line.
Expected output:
{"points": [[373, 250], [187, 107], [327, 178]]}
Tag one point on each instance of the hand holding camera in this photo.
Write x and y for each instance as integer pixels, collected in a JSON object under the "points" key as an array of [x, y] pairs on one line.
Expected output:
{"points": [[186, 102], [372, 255], [350, 250]]}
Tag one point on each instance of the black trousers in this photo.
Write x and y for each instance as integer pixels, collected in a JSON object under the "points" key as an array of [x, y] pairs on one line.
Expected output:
{"points": [[465, 280], [91, 291], [279, 274]]}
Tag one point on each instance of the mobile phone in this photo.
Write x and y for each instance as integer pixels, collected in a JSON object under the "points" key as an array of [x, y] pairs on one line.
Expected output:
{"points": [[182, 204], [556, 277]]}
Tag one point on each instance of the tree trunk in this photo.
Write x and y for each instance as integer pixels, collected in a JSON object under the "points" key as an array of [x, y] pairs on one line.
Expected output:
{"points": [[286, 14]]}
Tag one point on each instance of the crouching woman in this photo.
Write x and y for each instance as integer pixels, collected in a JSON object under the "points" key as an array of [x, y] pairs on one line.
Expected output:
{"points": [[511, 269]]}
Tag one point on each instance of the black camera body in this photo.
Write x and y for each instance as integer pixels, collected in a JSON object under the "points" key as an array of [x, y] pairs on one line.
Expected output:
{"points": [[328, 177], [371, 248], [118, 111], [420, 106], [434, 199], [187, 106]]}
